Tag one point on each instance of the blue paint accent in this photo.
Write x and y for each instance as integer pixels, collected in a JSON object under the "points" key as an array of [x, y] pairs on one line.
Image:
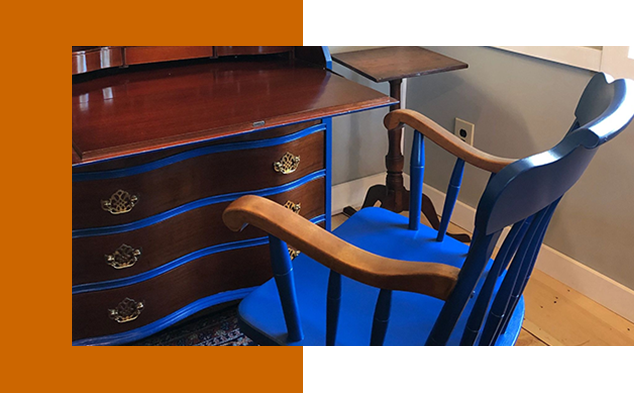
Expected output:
{"points": [[285, 282], [530, 184], [381, 317], [122, 282], [527, 270], [333, 305], [158, 325], [513, 240], [484, 297], [327, 57], [79, 233], [470, 273], [503, 297], [412, 315], [328, 160], [417, 168], [135, 170], [451, 198], [334, 279]]}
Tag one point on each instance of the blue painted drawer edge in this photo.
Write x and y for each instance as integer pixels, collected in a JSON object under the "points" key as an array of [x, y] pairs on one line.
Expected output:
{"points": [[78, 233], [122, 282], [190, 309], [150, 166], [160, 324]]}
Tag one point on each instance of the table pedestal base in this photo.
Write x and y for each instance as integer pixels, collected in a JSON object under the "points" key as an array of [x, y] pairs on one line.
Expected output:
{"points": [[398, 201]]}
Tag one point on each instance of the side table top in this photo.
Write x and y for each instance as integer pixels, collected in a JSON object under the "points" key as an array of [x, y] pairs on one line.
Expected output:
{"points": [[397, 62]]}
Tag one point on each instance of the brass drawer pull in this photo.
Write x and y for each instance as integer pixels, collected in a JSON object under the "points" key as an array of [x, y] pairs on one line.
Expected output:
{"points": [[294, 207], [293, 253], [120, 202], [128, 310], [123, 257], [287, 164]]}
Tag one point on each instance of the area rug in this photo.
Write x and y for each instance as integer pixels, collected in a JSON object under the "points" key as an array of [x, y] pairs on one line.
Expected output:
{"points": [[218, 329]]}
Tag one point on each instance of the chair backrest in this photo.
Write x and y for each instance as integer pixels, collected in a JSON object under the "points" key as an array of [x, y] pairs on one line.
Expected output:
{"points": [[524, 195]]}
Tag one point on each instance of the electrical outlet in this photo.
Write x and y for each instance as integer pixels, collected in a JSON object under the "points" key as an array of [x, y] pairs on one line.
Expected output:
{"points": [[464, 130]]}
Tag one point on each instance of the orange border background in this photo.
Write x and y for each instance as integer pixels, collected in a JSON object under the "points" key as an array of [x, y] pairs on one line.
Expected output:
{"points": [[36, 195]]}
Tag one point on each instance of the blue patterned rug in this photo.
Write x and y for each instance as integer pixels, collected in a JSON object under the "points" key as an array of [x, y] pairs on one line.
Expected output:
{"points": [[217, 329]]}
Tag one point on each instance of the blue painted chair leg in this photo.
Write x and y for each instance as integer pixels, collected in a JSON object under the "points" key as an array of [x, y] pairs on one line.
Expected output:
{"points": [[479, 254], [283, 273], [417, 168], [381, 317], [451, 197], [333, 304]]}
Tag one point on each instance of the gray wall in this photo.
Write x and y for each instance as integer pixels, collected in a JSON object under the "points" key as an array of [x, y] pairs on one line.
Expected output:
{"points": [[520, 106], [359, 139]]}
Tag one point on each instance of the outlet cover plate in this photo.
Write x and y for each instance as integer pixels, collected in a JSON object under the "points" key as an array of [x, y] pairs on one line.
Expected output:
{"points": [[464, 130]]}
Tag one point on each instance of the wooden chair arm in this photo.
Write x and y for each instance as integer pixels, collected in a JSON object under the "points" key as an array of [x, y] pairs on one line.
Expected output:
{"points": [[433, 279], [445, 139]]}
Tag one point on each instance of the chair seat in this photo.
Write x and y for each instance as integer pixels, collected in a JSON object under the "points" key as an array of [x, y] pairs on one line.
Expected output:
{"points": [[384, 233]]}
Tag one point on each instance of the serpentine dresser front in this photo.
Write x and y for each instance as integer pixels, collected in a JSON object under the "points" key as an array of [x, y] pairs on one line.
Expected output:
{"points": [[161, 148]]}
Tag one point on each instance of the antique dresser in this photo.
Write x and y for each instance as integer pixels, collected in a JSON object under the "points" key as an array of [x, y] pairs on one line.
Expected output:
{"points": [[164, 138]]}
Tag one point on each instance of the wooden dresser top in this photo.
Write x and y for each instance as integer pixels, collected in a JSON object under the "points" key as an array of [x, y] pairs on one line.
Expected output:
{"points": [[140, 110]]}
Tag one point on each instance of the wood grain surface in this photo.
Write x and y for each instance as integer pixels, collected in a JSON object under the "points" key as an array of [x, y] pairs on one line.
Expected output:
{"points": [[133, 112], [397, 62], [177, 236], [192, 179], [431, 279]]}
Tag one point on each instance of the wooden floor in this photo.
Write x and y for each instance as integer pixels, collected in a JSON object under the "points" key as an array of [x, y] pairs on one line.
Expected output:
{"points": [[558, 315]]}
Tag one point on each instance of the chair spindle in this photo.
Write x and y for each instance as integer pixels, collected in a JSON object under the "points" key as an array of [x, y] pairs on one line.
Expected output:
{"points": [[509, 247], [450, 198], [483, 300], [381, 317], [479, 254], [526, 274], [520, 262], [484, 297], [283, 273], [509, 252], [333, 304], [417, 167]]}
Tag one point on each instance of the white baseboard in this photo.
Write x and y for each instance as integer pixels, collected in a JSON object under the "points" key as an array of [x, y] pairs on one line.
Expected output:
{"points": [[353, 192], [572, 273]]}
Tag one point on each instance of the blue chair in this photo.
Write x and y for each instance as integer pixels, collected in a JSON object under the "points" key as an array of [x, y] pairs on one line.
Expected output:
{"points": [[364, 283]]}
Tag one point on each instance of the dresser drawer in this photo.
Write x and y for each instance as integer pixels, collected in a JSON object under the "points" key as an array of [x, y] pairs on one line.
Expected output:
{"points": [[127, 195], [120, 255], [168, 293]]}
